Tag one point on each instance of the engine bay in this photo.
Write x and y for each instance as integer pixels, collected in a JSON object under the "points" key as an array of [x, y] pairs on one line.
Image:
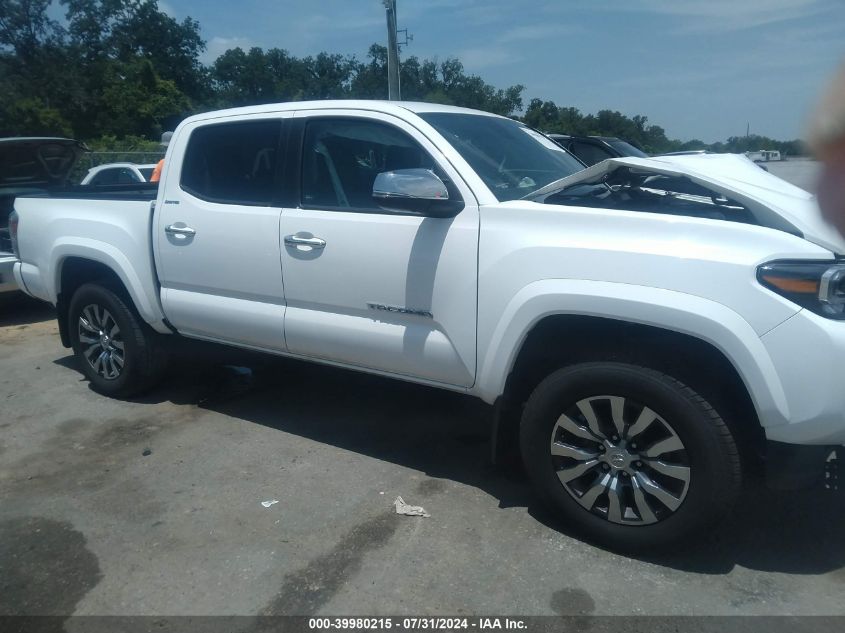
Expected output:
{"points": [[627, 189]]}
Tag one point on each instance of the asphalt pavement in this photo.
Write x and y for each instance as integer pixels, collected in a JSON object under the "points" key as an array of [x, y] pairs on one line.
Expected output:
{"points": [[154, 506], [801, 172]]}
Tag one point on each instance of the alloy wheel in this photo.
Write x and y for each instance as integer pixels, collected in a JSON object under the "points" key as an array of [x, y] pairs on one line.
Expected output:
{"points": [[620, 460], [101, 341]]}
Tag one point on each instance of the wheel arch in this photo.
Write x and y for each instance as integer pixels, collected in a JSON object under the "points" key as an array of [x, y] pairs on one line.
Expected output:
{"points": [[682, 335], [73, 268]]}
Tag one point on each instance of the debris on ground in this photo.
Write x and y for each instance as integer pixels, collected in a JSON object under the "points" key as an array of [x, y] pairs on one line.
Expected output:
{"points": [[146, 452], [411, 511], [270, 502]]}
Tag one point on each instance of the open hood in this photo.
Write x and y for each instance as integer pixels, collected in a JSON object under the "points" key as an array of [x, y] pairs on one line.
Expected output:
{"points": [[773, 202], [29, 162]]}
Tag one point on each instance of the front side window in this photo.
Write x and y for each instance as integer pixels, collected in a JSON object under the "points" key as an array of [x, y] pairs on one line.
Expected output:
{"points": [[342, 157], [513, 160], [232, 163]]}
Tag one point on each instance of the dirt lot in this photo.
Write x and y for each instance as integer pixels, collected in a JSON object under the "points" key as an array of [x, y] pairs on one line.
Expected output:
{"points": [[154, 506]]}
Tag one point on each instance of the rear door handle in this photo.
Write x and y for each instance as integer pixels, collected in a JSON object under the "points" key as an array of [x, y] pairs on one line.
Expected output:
{"points": [[296, 240], [183, 230]]}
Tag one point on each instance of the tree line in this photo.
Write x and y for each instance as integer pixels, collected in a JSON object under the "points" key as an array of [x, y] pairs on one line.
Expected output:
{"points": [[117, 73], [547, 116]]}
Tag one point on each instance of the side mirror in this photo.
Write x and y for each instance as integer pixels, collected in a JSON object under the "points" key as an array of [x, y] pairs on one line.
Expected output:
{"points": [[418, 191]]}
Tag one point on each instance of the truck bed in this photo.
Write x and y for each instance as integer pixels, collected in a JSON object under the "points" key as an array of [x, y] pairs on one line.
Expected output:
{"points": [[145, 192], [111, 227]]}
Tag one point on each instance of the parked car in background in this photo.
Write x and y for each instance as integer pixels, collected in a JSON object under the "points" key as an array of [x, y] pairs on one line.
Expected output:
{"points": [[594, 149], [29, 165], [648, 331], [688, 152], [764, 155], [705, 152], [118, 174]]}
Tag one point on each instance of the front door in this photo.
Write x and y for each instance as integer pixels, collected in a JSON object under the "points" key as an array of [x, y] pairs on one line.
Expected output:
{"points": [[217, 235], [365, 287]]}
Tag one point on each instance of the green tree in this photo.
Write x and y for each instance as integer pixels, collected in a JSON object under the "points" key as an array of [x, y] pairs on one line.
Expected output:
{"points": [[136, 101], [31, 117], [123, 30], [123, 69], [370, 78]]}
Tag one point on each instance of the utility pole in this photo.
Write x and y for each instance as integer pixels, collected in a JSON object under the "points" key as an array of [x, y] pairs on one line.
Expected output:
{"points": [[393, 90]]}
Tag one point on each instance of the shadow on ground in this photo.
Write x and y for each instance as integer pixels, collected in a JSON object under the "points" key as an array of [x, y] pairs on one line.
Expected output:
{"points": [[446, 435], [18, 309]]}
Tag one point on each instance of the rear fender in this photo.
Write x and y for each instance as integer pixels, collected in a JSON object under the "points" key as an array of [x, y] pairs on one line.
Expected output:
{"points": [[143, 295]]}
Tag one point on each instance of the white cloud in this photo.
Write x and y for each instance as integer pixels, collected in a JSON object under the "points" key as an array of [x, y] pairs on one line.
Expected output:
{"points": [[476, 59], [730, 15], [218, 45], [165, 8], [533, 32], [350, 21], [480, 58], [317, 30]]}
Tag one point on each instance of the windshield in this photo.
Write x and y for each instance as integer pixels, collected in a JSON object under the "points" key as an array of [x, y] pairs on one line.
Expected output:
{"points": [[513, 160], [626, 149]]}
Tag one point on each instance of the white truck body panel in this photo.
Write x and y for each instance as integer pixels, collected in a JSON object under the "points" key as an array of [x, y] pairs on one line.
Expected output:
{"points": [[203, 286], [486, 276], [117, 234], [422, 264]]}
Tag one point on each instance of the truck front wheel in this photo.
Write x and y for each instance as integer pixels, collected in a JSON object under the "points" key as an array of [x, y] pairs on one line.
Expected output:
{"points": [[630, 457], [116, 351]]}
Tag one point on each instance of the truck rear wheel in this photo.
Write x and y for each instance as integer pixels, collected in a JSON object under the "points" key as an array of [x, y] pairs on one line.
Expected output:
{"points": [[116, 350], [630, 457]]}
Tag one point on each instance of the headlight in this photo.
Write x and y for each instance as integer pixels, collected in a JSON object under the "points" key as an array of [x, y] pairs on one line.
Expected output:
{"points": [[817, 286]]}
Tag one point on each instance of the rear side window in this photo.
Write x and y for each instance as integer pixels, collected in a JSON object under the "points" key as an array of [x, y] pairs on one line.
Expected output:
{"points": [[233, 163], [115, 176], [589, 153]]}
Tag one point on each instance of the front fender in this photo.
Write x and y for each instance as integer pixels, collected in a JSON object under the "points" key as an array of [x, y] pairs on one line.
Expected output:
{"points": [[687, 314]]}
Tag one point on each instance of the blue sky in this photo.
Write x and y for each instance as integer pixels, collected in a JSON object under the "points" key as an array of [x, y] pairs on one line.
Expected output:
{"points": [[700, 68]]}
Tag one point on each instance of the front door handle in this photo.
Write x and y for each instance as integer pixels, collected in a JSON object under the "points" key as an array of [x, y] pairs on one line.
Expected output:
{"points": [[183, 230], [296, 240]]}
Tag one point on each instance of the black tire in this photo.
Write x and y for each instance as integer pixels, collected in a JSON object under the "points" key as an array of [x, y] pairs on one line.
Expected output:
{"points": [[142, 356], [709, 453]]}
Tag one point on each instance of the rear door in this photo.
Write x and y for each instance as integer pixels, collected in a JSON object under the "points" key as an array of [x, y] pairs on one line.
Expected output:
{"points": [[366, 287], [217, 233]]}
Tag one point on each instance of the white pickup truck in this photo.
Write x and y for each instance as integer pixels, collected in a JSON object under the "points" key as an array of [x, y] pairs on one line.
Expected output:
{"points": [[648, 330]]}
